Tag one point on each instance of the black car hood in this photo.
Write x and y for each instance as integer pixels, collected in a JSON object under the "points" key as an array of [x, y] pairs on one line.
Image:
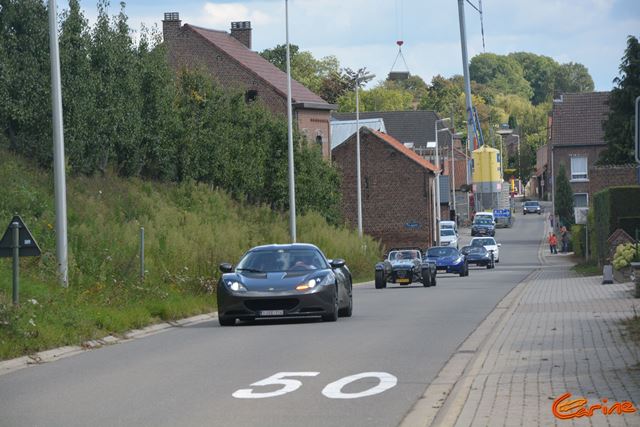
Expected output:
{"points": [[276, 281], [477, 257]]}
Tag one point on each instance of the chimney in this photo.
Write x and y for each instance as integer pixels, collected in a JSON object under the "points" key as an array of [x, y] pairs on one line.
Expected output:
{"points": [[170, 26], [241, 31]]}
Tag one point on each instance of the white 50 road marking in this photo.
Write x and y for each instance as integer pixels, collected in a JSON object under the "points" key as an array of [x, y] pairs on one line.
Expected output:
{"points": [[278, 379], [332, 391]]}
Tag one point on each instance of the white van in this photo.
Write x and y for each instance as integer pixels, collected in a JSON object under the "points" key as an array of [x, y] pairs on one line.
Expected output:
{"points": [[449, 224]]}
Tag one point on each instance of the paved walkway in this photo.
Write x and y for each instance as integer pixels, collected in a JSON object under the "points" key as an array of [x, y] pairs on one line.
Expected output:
{"points": [[562, 334]]}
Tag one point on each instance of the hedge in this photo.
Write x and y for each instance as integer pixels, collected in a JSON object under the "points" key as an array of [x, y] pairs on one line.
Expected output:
{"points": [[614, 208]]}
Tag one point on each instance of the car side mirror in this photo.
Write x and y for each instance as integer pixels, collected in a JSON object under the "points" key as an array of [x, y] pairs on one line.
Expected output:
{"points": [[225, 267], [337, 263], [499, 244]]}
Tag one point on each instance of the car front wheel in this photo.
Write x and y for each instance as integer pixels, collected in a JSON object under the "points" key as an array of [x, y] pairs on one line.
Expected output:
{"points": [[348, 310], [426, 278], [333, 315], [381, 282]]}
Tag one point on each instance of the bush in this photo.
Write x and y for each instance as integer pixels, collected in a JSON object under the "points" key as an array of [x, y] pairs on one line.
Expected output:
{"points": [[578, 239], [613, 208], [625, 254]]}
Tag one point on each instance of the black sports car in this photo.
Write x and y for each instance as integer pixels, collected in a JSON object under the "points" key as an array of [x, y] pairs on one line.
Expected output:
{"points": [[483, 227], [405, 266], [478, 255], [284, 280]]}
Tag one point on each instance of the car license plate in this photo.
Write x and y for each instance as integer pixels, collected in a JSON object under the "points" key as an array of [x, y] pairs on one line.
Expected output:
{"points": [[403, 280], [271, 313]]}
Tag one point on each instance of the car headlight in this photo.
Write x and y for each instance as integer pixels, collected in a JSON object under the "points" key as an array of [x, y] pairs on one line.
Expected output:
{"points": [[236, 286], [316, 282]]}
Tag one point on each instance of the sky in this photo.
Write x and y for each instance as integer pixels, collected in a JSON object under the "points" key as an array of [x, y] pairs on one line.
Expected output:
{"points": [[363, 33]]}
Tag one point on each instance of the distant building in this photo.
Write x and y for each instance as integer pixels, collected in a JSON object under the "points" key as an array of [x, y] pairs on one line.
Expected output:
{"points": [[230, 60], [398, 189], [577, 139], [414, 129]]}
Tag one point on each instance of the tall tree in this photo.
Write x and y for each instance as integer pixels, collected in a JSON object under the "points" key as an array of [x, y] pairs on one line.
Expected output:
{"points": [[539, 71], [573, 77], [78, 89], [564, 197], [619, 126], [25, 102], [500, 72]]}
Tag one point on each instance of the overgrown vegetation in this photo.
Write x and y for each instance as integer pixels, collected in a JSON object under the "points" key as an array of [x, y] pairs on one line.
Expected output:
{"points": [[127, 112], [189, 229], [613, 208]]}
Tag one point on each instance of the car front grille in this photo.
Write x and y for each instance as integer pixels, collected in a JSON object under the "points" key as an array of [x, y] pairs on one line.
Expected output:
{"points": [[271, 304]]}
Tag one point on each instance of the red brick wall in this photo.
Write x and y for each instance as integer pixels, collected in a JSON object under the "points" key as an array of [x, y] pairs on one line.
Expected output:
{"points": [[562, 155], [187, 49], [601, 177], [395, 191]]}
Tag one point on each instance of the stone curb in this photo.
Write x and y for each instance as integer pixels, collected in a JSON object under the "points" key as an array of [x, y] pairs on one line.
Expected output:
{"points": [[11, 365], [8, 366]]}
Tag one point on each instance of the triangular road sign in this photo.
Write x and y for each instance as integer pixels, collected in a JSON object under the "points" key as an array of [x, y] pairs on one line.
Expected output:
{"points": [[28, 245]]}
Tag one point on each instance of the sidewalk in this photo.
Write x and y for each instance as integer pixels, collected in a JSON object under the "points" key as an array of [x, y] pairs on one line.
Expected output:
{"points": [[560, 335]]}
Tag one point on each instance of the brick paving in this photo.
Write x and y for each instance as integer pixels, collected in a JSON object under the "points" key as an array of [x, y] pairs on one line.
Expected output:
{"points": [[564, 335]]}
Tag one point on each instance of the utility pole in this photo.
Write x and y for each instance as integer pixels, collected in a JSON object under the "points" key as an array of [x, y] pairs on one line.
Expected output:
{"points": [[467, 86], [58, 150], [292, 184]]}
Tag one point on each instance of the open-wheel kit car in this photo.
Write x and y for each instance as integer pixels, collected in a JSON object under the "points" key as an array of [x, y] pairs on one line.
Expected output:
{"points": [[405, 266]]}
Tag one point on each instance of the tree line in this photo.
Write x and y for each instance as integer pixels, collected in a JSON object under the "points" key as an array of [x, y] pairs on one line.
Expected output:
{"points": [[127, 112]]}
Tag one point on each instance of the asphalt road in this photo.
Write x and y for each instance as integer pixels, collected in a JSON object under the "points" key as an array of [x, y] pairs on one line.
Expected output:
{"points": [[188, 376]]}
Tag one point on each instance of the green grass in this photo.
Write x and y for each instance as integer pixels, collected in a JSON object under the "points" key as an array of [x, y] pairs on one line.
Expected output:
{"points": [[632, 327], [189, 230], [590, 268]]}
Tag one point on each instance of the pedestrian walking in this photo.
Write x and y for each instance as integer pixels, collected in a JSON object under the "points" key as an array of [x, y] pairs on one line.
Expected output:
{"points": [[551, 220], [564, 237], [553, 243]]}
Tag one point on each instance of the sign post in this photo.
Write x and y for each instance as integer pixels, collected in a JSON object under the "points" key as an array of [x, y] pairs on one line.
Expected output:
{"points": [[17, 241]]}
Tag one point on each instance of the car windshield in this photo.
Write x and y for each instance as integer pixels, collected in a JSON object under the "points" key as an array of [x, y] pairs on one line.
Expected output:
{"points": [[488, 241], [404, 255], [446, 225], [441, 252], [447, 232], [480, 250], [531, 204], [274, 260], [483, 221]]}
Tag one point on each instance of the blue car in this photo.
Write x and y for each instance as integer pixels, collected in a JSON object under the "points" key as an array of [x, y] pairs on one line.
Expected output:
{"points": [[448, 259], [483, 227]]}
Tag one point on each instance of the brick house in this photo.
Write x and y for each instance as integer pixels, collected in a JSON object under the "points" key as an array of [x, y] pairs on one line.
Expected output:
{"points": [[577, 138], [230, 60], [414, 129], [397, 189]]}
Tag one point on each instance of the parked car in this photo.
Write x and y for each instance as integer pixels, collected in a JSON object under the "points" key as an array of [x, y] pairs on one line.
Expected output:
{"points": [[532, 206], [284, 280], [478, 255], [483, 226], [448, 237], [448, 259], [489, 243], [405, 266]]}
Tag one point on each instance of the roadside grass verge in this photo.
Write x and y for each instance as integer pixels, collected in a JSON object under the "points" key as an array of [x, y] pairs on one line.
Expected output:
{"points": [[189, 229]]}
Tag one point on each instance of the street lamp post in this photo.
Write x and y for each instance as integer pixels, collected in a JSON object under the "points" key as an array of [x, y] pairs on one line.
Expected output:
{"points": [[360, 76], [438, 213], [292, 185], [519, 164]]}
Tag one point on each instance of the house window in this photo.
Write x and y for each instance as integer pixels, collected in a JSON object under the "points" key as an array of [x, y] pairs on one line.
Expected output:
{"points": [[581, 200], [250, 96], [319, 140], [579, 168]]}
